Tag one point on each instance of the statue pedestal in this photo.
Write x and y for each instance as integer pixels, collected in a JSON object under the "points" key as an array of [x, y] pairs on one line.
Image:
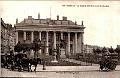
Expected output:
{"points": [[62, 55], [55, 60]]}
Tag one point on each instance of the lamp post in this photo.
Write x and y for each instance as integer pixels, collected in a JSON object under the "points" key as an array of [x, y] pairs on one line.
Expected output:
{"points": [[44, 54]]}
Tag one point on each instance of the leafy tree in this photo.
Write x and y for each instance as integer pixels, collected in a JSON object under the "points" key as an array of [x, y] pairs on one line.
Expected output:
{"points": [[117, 50], [104, 50], [18, 47], [111, 50], [36, 45], [97, 51]]}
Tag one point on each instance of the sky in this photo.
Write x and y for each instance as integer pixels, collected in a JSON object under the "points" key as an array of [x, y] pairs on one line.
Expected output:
{"points": [[102, 23]]}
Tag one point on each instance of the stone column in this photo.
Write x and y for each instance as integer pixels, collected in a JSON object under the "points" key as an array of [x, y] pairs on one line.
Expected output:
{"points": [[47, 44], [39, 52], [16, 37], [68, 43], [62, 35], [40, 35], [32, 36], [54, 40], [24, 35], [82, 42], [75, 43]]}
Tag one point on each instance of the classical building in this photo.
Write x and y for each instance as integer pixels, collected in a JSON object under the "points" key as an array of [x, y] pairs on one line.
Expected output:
{"points": [[53, 32]]}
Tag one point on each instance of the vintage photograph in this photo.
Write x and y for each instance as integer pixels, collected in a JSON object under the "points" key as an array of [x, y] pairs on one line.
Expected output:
{"points": [[60, 39]]}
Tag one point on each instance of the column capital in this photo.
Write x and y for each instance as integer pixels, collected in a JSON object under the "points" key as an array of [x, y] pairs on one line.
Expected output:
{"points": [[39, 31], [54, 31], [61, 31]]}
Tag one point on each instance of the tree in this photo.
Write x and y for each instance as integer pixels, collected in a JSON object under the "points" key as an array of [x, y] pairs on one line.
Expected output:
{"points": [[111, 50], [36, 45], [104, 50], [117, 50], [97, 51], [18, 47]]}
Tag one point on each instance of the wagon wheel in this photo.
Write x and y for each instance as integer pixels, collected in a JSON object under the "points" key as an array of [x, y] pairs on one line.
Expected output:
{"points": [[12, 67], [20, 68], [113, 66], [101, 65]]}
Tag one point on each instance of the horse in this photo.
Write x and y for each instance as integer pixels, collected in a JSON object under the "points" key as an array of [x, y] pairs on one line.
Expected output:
{"points": [[9, 60], [3, 60], [21, 61], [34, 62], [27, 60]]}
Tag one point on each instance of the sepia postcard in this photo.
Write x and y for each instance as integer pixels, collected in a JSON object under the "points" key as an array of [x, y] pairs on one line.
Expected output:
{"points": [[60, 39]]}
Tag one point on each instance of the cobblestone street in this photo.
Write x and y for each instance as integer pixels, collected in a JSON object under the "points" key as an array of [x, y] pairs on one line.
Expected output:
{"points": [[64, 72]]}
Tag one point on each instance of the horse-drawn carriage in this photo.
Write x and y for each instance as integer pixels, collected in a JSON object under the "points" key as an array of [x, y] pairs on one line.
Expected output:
{"points": [[108, 61], [23, 58], [19, 61]]}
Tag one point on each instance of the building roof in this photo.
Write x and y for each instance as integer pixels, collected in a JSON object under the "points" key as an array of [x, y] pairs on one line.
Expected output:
{"points": [[49, 24], [3, 24], [6, 25]]}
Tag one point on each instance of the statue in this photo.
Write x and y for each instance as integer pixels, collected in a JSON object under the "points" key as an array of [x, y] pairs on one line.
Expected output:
{"points": [[55, 54]]}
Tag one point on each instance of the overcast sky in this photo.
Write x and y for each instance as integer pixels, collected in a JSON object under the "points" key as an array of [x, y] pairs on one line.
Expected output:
{"points": [[102, 23]]}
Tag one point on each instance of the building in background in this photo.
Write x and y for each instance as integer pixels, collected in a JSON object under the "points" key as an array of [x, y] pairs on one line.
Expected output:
{"points": [[3, 37], [53, 32], [7, 38], [88, 48], [11, 36]]}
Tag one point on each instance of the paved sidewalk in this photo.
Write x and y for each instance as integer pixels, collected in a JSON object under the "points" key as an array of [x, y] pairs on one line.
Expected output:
{"points": [[64, 72], [70, 68], [67, 68]]}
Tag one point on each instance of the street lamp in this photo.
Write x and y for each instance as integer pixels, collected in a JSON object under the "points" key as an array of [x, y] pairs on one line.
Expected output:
{"points": [[44, 54]]}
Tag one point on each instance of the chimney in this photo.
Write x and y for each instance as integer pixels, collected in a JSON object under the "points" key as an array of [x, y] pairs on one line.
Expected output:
{"points": [[57, 17], [38, 15], [82, 23], [29, 17], [64, 18], [17, 21]]}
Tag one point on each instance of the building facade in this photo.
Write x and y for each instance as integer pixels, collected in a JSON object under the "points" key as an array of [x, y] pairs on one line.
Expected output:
{"points": [[4, 39], [88, 48], [53, 32], [11, 36], [7, 37]]}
